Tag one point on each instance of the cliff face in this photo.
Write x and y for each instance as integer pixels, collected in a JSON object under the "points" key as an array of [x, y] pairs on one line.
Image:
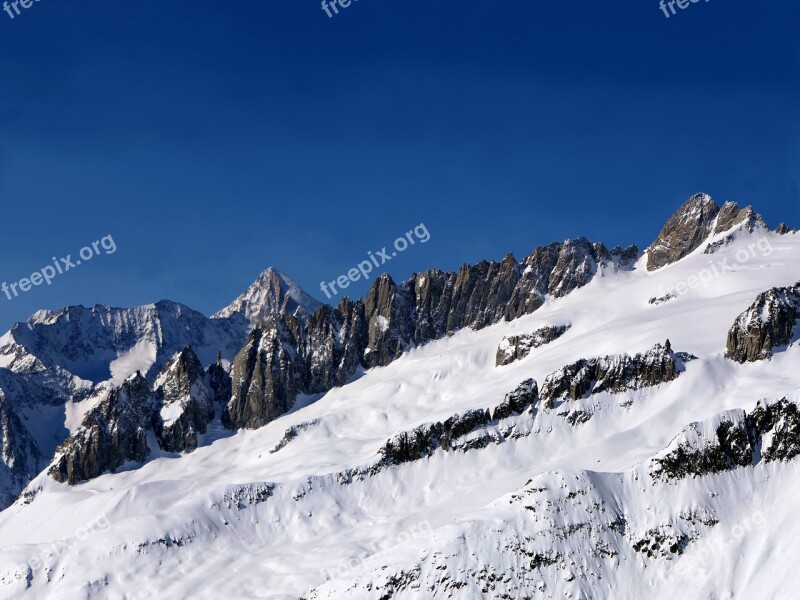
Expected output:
{"points": [[111, 434], [769, 323], [683, 233], [184, 403]]}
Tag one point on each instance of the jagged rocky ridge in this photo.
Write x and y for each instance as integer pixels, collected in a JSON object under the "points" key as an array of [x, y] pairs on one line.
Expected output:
{"points": [[285, 356], [110, 435], [564, 532], [517, 347], [692, 224], [769, 323], [178, 408], [86, 342], [734, 439], [305, 352], [612, 374], [21, 455], [288, 354], [449, 435], [185, 403]]}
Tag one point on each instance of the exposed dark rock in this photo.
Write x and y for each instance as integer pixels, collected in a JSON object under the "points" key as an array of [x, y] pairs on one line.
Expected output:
{"points": [[21, 456], [291, 434], [184, 404], [560, 268], [264, 380], [614, 374], [424, 440], [768, 323], [219, 382], [783, 229], [657, 543], [111, 434], [661, 299], [331, 346], [326, 348], [738, 440], [517, 401], [516, 347], [730, 215], [683, 233], [389, 310]]}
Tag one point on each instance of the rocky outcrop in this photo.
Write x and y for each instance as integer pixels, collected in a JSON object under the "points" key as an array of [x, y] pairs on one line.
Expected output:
{"points": [[516, 347], [517, 401], [769, 323], [771, 432], [218, 381], [685, 231], [333, 342], [613, 374], [21, 456], [449, 435], [730, 215], [183, 403], [264, 376], [783, 229], [110, 435]]}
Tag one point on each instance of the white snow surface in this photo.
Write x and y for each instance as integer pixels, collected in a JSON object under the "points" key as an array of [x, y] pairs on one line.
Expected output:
{"points": [[234, 520]]}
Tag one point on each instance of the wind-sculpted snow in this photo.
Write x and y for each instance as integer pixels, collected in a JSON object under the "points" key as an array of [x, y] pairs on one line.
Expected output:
{"points": [[582, 534]]}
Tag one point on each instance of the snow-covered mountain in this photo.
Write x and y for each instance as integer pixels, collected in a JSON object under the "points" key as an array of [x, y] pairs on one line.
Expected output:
{"points": [[272, 293], [584, 423]]}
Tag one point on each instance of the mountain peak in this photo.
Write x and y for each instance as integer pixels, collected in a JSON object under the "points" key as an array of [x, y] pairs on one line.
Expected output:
{"points": [[685, 230], [273, 292]]}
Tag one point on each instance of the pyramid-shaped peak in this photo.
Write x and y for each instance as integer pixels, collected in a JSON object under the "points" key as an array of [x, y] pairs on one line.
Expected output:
{"points": [[272, 293]]}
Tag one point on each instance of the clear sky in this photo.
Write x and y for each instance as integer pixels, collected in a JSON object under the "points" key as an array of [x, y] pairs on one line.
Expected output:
{"points": [[215, 139]]}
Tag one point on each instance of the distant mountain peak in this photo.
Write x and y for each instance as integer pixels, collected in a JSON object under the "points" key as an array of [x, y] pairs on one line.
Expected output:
{"points": [[273, 292]]}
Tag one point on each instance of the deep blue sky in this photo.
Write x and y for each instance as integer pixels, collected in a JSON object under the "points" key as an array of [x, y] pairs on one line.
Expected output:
{"points": [[214, 139]]}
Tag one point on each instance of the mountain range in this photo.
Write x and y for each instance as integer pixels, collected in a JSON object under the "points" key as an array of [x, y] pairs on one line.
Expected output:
{"points": [[587, 422]]}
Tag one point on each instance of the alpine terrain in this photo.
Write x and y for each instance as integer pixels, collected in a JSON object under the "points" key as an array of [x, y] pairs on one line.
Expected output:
{"points": [[585, 422]]}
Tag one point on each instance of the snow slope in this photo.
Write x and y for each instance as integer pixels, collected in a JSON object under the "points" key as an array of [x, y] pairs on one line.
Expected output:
{"points": [[317, 518]]}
